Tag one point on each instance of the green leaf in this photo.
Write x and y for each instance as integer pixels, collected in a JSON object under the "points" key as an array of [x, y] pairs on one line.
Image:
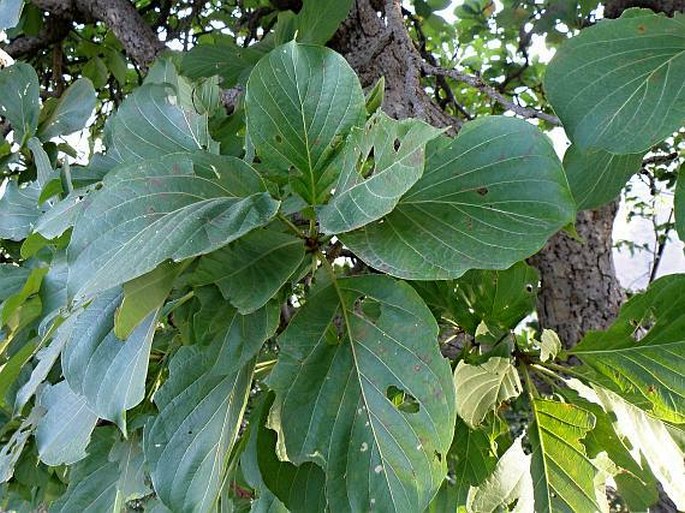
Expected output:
{"points": [[10, 313], [62, 215], [144, 295], [301, 101], [108, 373], [12, 279], [150, 124], [597, 177], [483, 387], [44, 169], [111, 475], [19, 98], [486, 200], [378, 163], [616, 72], [318, 20], [71, 112], [96, 70], [19, 211], [223, 58], [649, 437], [10, 12], [375, 97], [550, 345], [201, 407], [510, 483], [161, 209], [63, 433], [680, 203], [565, 477], [251, 270], [12, 367], [46, 359], [642, 355], [300, 488], [362, 390], [11, 451]]}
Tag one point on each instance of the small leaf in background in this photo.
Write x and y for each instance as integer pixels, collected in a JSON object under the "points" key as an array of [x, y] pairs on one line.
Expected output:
{"points": [[565, 478], [487, 199], [301, 101], [597, 177], [616, 72], [484, 387], [378, 163], [108, 372], [680, 203], [509, 484], [642, 355], [19, 97], [63, 433], [362, 390], [251, 270], [550, 345]]}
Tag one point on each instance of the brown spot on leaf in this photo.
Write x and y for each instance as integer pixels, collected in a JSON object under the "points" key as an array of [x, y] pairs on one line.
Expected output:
{"points": [[482, 191]]}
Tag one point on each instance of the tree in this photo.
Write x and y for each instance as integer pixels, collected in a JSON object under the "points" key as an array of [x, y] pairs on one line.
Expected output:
{"points": [[289, 274]]}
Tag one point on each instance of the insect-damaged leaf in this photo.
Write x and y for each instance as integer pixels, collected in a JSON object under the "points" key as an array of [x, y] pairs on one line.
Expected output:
{"points": [[362, 390]]}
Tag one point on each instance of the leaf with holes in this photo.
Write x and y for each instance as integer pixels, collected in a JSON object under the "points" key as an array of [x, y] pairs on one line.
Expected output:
{"points": [[301, 101], [362, 390], [642, 355], [565, 478], [617, 74], [201, 407], [108, 372], [162, 209], [378, 163], [484, 387], [486, 200], [597, 177]]}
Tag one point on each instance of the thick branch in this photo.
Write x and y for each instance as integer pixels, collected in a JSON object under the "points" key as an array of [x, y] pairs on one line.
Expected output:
{"points": [[54, 31]]}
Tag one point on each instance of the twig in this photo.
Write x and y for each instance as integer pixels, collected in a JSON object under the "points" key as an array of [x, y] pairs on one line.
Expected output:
{"points": [[478, 83], [661, 246]]}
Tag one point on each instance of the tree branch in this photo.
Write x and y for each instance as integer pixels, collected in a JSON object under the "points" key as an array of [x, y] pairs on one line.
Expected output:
{"points": [[491, 92]]}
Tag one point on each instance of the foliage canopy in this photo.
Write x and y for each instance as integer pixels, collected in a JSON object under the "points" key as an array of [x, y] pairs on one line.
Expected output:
{"points": [[246, 312]]}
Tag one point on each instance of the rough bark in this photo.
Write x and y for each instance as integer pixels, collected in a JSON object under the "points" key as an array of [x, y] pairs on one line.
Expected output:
{"points": [[580, 291], [614, 8], [376, 47]]}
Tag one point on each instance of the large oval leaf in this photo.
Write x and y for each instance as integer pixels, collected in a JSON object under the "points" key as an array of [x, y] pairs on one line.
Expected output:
{"points": [[108, 372], [618, 86], [362, 390], [486, 200], [301, 101], [201, 408], [161, 209]]}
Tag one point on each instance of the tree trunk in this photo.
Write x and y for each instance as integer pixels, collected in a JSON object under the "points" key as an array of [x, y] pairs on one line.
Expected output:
{"points": [[580, 291]]}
